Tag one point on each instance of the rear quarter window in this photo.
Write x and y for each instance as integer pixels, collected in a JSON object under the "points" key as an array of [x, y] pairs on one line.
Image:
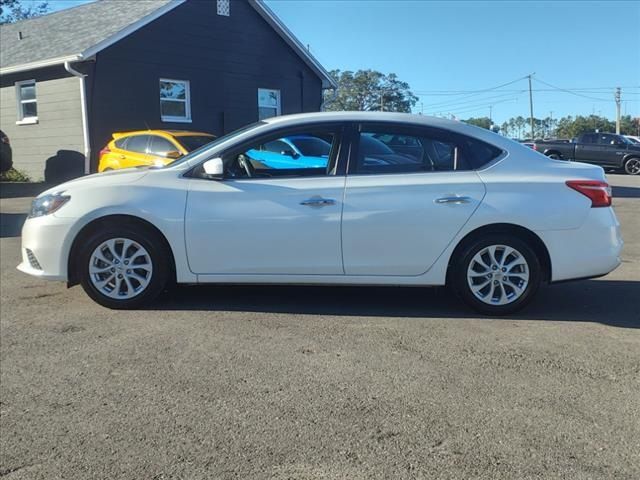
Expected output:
{"points": [[478, 153], [121, 143]]}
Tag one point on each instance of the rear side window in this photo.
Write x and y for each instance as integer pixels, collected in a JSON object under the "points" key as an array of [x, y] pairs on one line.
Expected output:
{"points": [[589, 138], [138, 143], [382, 151], [122, 143]]}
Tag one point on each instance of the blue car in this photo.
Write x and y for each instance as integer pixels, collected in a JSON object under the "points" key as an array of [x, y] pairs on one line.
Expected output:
{"points": [[295, 151]]}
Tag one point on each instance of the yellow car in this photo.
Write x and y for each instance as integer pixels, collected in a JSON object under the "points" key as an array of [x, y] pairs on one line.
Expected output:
{"points": [[149, 147]]}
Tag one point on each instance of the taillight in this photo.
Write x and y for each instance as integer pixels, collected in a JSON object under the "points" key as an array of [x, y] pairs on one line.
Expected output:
{"points": [[535, 147], [597, 191], [105, 150]]}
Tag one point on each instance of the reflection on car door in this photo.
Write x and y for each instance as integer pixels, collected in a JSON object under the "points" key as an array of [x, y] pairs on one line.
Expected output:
{"points": [[398, 219]]}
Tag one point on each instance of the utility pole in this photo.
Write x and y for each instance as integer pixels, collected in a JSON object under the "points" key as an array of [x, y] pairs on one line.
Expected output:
{"points": [[551, 123], [490, 116], [531, 106], [617, 97]]}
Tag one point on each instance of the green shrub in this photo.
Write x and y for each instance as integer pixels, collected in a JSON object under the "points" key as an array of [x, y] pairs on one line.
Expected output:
{"points": [[13, 175]]}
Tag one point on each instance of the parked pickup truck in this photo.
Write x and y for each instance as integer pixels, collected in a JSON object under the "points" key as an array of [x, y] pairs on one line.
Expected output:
{"points": [[605, 149]]}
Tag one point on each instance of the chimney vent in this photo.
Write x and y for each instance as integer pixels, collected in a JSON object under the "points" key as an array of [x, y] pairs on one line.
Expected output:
{"points": [[20, 35]]}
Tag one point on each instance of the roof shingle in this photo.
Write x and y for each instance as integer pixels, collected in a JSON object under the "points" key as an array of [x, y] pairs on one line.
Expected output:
{"points": [[69, 32]]}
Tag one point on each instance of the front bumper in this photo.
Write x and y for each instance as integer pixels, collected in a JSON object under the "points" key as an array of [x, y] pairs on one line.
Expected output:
{"points": [[45, 247], [592, 250]]}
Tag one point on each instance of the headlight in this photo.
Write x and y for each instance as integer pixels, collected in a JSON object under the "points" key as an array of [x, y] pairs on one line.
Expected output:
{"points": [[48, 204]]}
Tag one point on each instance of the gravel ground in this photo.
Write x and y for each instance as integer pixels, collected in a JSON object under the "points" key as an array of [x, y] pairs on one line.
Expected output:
{"points": [[321, 383]]}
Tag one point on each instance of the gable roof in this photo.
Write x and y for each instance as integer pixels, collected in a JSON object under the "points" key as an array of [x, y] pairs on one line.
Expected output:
{"points": [[78, 33]]}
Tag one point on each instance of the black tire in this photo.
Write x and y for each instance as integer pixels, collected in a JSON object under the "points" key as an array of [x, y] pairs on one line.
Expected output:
{"points": [[632, 166], [459, 282], [555, 156], [146, 237]]}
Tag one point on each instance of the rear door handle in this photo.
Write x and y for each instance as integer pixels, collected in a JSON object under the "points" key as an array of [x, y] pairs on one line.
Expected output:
{"points": [[318, 202], [455, 200]]}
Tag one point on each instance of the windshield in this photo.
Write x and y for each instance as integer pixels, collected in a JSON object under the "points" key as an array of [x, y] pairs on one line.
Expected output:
{"points": [[209, 145], [191, 142]]}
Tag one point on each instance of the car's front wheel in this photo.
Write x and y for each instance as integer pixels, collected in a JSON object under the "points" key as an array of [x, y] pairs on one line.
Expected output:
{"points": [[497, 275], [123, 266]]}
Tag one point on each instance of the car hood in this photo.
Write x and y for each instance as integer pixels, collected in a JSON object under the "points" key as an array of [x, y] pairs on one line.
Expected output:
{"points": [[114, 177]]}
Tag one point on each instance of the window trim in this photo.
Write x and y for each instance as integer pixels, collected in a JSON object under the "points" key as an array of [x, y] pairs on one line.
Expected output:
{"points": [[278, 106], [22, 120], [187, 101], [343, 131]]}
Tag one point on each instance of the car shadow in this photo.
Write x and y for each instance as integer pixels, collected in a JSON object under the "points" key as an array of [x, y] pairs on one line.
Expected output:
{"points": [[11, 224], [626, 192], [609, 302]]}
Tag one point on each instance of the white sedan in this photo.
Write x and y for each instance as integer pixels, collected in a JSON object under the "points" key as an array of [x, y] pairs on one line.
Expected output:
{"points": [[402, 200]]}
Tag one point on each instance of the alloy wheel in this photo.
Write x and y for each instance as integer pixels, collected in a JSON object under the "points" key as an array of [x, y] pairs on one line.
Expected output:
{"points": [[120, 268], [632, 166], [498, 275]]}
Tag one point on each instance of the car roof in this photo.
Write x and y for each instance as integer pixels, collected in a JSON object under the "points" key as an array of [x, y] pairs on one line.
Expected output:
{"points": [[391, 117], [173, 133]]}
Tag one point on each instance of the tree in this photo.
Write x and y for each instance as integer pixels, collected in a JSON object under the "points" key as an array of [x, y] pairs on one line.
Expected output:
{"points": [[12, 11], [483, 122], [369, 90]]}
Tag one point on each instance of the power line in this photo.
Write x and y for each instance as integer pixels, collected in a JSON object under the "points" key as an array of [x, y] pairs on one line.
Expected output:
{"points": [[569, 91], [476, 92], [458, 103]]}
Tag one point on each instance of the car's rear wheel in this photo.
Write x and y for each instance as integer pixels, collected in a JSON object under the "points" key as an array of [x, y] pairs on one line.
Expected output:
{"points": [[497, 275], [632, 166], [123, 267], [555, 156]]}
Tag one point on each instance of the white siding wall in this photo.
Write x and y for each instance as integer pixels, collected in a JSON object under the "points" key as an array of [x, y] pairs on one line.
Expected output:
{"points": [[59, 124]]}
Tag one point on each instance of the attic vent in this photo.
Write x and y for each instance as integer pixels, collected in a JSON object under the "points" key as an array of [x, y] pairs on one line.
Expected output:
{"points": [[224, 7]]}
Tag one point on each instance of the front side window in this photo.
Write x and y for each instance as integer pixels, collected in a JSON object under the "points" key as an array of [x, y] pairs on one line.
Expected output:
{"points": [[276, 156], [192, 142], [175, 100], [27, 103], [382, 152], [268, 103]]}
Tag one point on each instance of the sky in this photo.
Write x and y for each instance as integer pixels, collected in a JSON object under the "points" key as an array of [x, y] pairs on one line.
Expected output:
{"points": [[577, 51]]}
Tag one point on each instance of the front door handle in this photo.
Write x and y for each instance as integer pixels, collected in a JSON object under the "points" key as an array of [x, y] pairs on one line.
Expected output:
{"points": [[318, 202], [452, 200]]}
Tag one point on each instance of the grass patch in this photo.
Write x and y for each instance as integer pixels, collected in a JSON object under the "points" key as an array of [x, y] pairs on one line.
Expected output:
{"points": [[13, 175]]}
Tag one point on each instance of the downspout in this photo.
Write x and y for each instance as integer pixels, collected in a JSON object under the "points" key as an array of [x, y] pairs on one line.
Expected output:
{"points": [[85, 117]]}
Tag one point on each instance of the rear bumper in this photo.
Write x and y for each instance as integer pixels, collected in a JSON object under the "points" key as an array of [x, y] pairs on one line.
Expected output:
{"points": [[592, 250]]}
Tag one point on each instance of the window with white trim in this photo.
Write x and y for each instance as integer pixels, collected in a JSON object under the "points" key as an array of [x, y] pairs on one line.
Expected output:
{"points": [[268, 103], [27, 103], [175, 100], [224, 7]]}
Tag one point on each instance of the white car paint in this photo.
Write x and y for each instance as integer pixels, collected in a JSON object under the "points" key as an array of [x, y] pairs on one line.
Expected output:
{"points": [[382, 229]]}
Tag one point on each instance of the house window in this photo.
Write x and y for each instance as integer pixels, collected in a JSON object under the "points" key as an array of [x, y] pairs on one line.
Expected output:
{"points": [[27, 104], [268, 103], [175, 100], [224, 8]]}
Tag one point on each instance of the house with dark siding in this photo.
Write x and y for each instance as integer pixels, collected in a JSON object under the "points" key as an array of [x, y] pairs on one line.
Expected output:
{"points": [[68, 80]]}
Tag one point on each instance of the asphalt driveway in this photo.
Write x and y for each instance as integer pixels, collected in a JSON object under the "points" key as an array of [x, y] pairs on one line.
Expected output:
{"points": [[320, 383]]}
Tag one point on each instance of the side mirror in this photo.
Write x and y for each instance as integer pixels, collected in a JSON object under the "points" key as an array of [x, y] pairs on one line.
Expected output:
{"points": [[289, 153], [214, 168], [173, 154]]}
